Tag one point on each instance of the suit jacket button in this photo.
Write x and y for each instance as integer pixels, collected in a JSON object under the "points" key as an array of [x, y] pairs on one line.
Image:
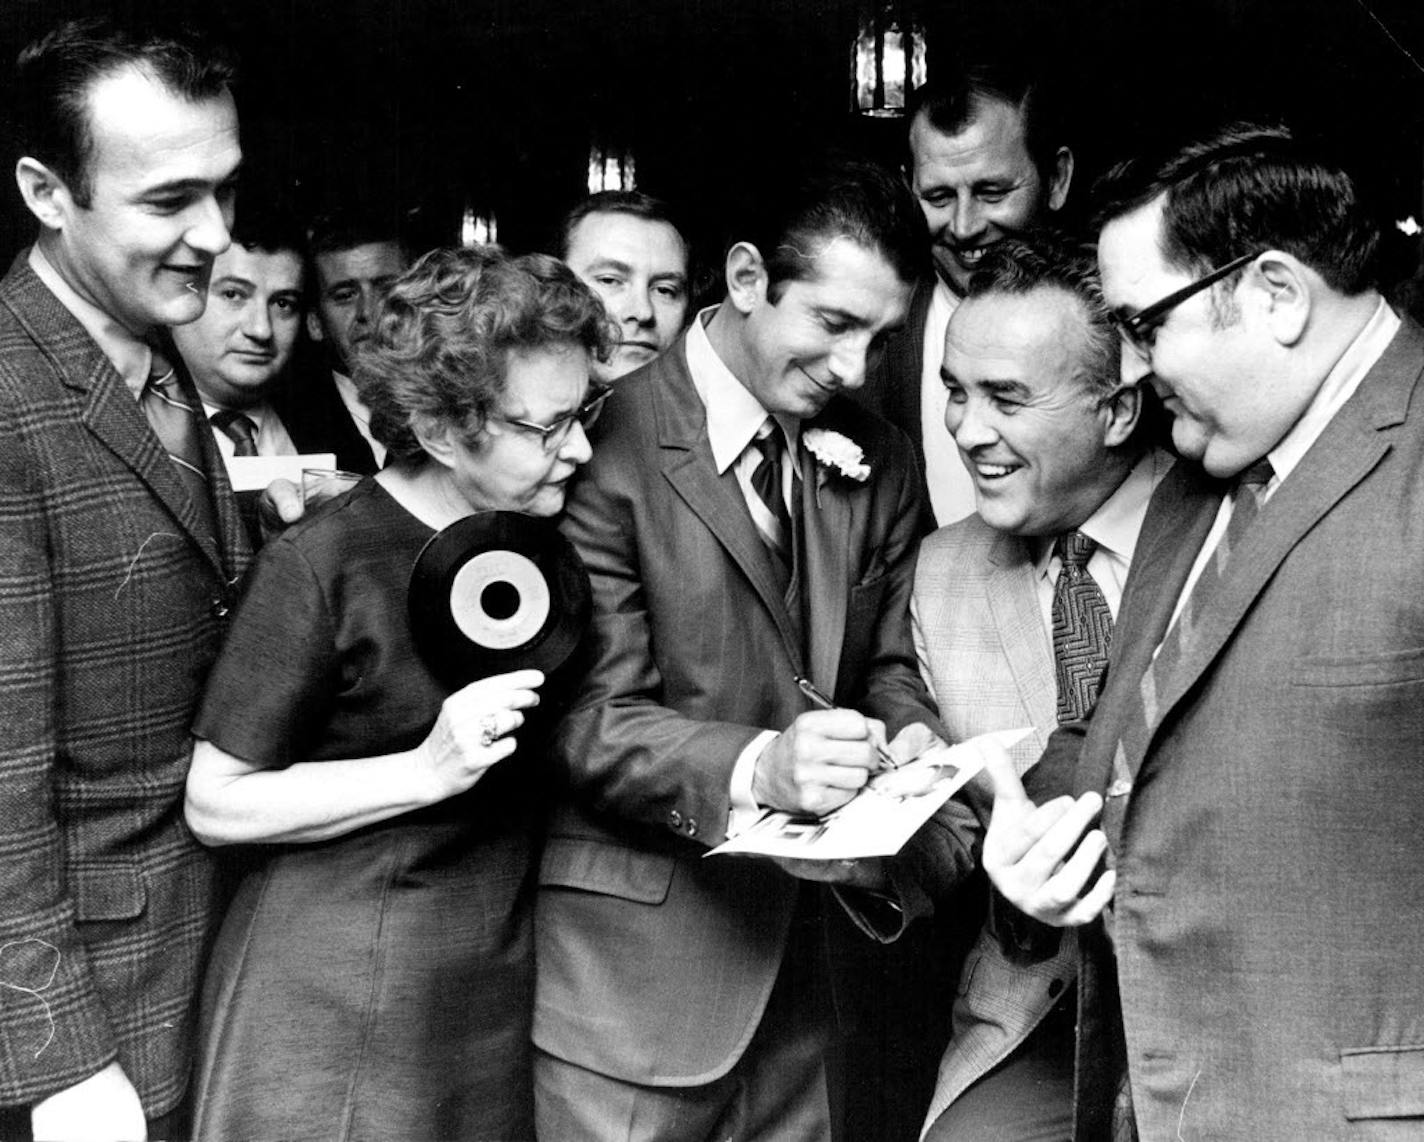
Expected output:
{"points": [[675, 819], [220, 607], [1055, 987], [692, 826]]}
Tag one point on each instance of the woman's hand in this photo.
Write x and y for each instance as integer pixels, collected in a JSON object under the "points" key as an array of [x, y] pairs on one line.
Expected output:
{"points": [[475, 728]]}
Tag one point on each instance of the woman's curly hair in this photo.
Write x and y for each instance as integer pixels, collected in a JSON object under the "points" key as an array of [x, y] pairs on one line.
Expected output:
{"points": [[445, 331]]}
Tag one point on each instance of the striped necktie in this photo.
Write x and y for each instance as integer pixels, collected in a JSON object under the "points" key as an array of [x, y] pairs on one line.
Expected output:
{"points": [[240, 429], [768, 505], [1082, 628], [177, 424]]}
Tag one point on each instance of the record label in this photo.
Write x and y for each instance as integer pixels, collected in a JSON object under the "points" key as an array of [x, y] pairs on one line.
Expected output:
{"points": [[494, 592]]}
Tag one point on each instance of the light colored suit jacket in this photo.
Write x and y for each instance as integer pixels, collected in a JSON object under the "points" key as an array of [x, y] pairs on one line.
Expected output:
{"points": [[1269, 912], [654, 963], [111, 612], [988, 659]]}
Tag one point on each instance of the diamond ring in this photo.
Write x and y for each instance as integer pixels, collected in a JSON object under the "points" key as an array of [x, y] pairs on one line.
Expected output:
{"points": [[489, 730]]}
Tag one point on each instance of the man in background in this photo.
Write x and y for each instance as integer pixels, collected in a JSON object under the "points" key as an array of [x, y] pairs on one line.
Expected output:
{"points": [[1013, 610], [987, 160], [120, 548], [353, 259], [627, 249]]}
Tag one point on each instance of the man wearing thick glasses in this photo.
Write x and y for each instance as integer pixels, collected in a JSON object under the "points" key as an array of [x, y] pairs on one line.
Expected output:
{"points": [[1251, 962]]}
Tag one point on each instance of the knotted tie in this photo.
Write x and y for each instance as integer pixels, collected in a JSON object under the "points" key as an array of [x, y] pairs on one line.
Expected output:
{"points": [[240, 429], [768, 506], [1082, 628], [177, 425]]}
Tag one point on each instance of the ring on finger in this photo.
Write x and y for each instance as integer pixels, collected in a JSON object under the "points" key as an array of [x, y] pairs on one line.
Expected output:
{"points": [[489, 730]]}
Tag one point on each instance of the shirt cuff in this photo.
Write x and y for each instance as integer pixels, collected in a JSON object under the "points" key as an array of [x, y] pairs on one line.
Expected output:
{"points": [[745, 812]]}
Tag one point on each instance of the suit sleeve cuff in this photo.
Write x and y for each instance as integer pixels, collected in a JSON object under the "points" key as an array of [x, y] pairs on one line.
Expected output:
{"points": [[745, 811]]}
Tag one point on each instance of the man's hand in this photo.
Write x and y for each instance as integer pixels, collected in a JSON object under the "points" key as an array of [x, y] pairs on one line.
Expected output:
{"points": [[1039, 857], [279, 505], [102, 1108], [818, 763]]}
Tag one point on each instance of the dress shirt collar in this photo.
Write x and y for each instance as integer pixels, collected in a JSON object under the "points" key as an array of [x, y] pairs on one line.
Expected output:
{"points": [[1338, 387], [1116, 523], [128, 354], [733, 413]]}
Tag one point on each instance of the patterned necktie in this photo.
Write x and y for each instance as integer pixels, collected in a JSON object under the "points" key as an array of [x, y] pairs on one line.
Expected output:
{"points": [[177, 425], [768, 506], [240, 429], [1082, 628]]}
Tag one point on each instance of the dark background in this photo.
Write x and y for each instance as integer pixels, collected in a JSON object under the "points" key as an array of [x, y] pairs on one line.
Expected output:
{"points": [[430, 104]]}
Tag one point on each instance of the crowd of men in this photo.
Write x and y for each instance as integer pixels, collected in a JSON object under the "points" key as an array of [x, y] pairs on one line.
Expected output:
{"points": [[1204, 919]]}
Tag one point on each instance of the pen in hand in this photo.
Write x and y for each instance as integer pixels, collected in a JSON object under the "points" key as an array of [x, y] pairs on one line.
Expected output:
{"points": [[814, 692]]}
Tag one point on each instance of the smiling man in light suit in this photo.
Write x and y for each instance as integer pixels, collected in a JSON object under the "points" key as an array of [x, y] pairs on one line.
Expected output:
{"points": [[731, 552], [1013, 612], [1250, 962]]}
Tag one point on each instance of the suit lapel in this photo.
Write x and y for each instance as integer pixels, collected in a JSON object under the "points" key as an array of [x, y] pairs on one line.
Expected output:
{"points": [[112, 415], [716, 500], [1011, 592]]}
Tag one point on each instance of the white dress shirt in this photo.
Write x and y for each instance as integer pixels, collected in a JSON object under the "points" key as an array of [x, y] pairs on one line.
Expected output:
{"points": [[271, 433], [1114, 528]]}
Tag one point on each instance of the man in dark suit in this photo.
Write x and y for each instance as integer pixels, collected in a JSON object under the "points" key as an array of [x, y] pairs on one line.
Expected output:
{"points": [[743, 525], [1251, 962], [119, 550], [987, 159], [354, 257]]}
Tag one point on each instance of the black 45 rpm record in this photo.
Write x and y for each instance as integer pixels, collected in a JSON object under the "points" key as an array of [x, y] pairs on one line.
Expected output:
{"points": [[494, 592]]}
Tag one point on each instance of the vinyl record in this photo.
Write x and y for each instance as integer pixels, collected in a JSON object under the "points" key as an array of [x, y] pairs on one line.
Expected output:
{"points": [[494, 592]]}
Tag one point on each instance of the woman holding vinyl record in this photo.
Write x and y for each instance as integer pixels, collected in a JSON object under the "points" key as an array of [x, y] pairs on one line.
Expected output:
{"points": [[373, 978]]}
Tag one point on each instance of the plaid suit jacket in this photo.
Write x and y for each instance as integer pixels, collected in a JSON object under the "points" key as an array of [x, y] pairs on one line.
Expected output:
{"points": [[110, 613], [988, 661]]}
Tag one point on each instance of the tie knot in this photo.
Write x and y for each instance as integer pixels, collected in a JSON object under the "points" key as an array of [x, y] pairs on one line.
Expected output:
{"points": [[768, 441], [160, 368], [1258, 475], [1074, 549]]}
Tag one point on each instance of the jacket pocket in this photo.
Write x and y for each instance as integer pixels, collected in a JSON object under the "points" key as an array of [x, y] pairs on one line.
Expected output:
{"points": [[107, 888], [612, 870], [1383, 1082]]}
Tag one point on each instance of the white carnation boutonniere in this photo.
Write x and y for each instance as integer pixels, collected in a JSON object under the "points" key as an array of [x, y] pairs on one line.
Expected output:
{"points": [[837, 453]]}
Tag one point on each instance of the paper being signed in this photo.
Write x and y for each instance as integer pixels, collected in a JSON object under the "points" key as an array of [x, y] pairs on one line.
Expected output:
{"points": [[882, 817]]}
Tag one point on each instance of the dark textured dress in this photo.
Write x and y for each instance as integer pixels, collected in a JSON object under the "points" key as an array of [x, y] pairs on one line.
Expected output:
{"points": [[377, 986]]}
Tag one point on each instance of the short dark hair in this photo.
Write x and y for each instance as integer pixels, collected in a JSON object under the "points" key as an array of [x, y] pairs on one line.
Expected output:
{"points": [[354, 224], [1246, 187], [631, 202], [270, 225], [792, 221], [1047, 259], [55, 73], [443, 335], [950, 105]]}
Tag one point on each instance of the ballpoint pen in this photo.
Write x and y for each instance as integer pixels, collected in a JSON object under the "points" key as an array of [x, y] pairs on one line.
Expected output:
{"points": [[814, 692]]}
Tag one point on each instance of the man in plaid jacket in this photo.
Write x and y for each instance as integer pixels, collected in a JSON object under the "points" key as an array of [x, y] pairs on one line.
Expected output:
{"points": [[116, 569]]}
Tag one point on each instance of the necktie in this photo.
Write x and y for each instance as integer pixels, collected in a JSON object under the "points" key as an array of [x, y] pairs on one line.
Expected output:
{"points": [[240, 429], [768, 506], [1082, 628], [177, 425], [1140, 724]]}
